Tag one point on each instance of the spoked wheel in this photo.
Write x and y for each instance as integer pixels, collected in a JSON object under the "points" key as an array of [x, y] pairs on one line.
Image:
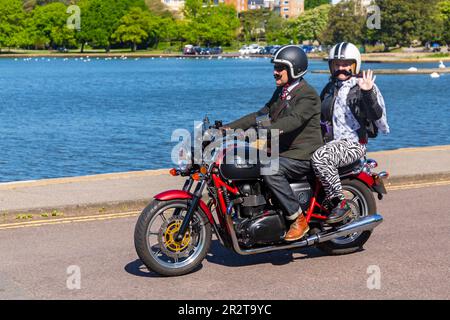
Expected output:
{"points": [[360, 198], [155, 238]]}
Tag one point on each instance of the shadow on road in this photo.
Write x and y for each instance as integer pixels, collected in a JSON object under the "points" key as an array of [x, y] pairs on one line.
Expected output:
{"points": [[222, 256], [137, 268]]}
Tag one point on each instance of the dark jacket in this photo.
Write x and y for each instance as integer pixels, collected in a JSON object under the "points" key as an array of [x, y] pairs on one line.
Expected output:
{"points": [[298, 120], [363, 104]]}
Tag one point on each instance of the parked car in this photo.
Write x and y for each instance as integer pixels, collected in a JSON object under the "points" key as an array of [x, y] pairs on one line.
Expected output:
{"points": [[255, 49], [244, 50], [307, 49], [189, 49], [62, 50], [267, 49], [251, 49], [215, 50], [204, 51], [435, 47], [197, 49], [274, 49]]}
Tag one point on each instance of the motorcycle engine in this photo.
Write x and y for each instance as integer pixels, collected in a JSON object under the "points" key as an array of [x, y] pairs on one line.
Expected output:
{"points": [[267, 227], [253, 201]]}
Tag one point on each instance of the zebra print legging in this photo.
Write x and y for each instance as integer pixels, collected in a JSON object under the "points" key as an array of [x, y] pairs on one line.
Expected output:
{"points": [[327, 159]]}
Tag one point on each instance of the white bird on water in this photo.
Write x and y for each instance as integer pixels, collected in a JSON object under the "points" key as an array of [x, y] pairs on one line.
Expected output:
{"points": [[412, 69], [441, 65], [435, 75]]}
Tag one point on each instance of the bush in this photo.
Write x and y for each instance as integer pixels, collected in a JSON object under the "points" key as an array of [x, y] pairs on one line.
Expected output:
{"points": [[375, 48]]}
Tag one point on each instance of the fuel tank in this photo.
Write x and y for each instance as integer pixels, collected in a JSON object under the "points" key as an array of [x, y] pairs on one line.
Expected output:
{"points": [[243, 165]]}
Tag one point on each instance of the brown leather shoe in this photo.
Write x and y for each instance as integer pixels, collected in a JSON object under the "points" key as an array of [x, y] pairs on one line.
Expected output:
{"points": [[298, 229]]}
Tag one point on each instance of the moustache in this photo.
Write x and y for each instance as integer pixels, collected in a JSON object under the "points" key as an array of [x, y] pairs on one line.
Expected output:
{"points": [[344, 72]]}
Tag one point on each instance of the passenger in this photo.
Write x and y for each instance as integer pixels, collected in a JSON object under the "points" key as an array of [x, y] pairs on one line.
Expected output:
{"points": [[353, 110]]}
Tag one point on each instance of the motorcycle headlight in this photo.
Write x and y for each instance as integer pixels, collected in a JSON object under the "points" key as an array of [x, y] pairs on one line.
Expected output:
{"points": [[184, 159]]}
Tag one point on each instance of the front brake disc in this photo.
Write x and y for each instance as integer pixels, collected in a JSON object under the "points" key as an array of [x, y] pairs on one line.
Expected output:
{"points": [[167, 243]]}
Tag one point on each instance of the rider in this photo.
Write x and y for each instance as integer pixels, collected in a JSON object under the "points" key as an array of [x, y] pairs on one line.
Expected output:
{"points": [[349, 106], [295, 111]]}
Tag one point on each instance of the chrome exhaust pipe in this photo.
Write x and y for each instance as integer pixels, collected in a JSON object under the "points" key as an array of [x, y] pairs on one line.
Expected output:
{"points": [[364, 224], [360, 225]]}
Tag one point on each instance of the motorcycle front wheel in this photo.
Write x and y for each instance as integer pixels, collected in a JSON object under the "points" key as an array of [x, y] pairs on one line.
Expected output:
{"points": [[361, 200], [155, 233]]}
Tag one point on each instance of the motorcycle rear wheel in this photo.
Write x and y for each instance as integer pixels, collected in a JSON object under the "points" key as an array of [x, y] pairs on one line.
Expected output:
{"points": [[363, 204], [156, 245]]}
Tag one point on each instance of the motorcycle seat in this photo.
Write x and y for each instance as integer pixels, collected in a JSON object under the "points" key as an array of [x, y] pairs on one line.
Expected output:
{"points": [[351, 167]]}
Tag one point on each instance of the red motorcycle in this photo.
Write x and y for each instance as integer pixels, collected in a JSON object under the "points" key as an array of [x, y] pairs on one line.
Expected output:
{"points": [[173, 233]]}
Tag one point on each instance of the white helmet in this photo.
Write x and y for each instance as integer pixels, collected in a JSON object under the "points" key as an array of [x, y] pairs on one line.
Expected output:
{"points": [[345, 51]]}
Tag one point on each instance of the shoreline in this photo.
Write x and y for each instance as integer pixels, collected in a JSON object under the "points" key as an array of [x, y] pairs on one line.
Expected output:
{"points": [[425, 71], [366, 58]]}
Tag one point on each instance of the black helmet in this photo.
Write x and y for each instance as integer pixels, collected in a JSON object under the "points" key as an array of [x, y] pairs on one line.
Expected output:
{"points": [[294, 58]]}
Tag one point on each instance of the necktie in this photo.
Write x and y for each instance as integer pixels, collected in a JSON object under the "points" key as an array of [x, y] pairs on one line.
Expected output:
{"points": [[284, 92]]}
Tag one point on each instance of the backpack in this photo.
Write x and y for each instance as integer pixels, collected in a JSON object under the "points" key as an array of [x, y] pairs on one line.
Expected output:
{"points": [[371, 129], [369, 126]]}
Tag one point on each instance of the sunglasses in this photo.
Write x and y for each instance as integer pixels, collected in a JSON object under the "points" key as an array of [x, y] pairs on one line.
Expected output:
{"points": [[279, 67]]}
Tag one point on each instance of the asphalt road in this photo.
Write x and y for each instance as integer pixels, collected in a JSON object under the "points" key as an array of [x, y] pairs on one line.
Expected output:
{"points": [[410, 249]]}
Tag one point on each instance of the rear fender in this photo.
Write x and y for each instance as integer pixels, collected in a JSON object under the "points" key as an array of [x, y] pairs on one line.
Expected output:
{"points": [[375, 183], [366, 178], [180, 194]]}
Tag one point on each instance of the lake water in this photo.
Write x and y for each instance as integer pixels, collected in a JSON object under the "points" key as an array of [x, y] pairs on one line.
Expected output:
{"points": [[68, 117]]}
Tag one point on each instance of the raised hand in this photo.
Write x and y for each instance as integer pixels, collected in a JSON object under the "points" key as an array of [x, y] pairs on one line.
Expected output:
{"points": [[367, 81]]}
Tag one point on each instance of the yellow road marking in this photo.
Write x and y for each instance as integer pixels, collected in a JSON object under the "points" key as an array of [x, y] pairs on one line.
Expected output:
{"points": [[40, 223], [418, 185]]}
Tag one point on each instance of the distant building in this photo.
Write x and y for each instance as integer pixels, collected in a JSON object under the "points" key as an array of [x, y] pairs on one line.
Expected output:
{"points": [[256, 4], [240, 5], [291, 8]]}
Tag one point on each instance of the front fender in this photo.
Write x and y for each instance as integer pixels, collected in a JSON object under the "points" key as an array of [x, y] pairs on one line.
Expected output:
{"points": [[180, 194]]}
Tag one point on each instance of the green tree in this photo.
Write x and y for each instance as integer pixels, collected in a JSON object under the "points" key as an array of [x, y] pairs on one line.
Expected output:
{"points": [[311, 24], [262, 24], [11, 21], [278, 30], [192, 8], [345, 23], [406, 20], [311, 4], [253, 24], [47, 27], [100, 19], [133, 27], [444, 11], [213, 25]]}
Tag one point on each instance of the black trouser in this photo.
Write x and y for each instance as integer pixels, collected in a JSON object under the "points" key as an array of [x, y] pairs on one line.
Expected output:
{"points": [[278, 183]]}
